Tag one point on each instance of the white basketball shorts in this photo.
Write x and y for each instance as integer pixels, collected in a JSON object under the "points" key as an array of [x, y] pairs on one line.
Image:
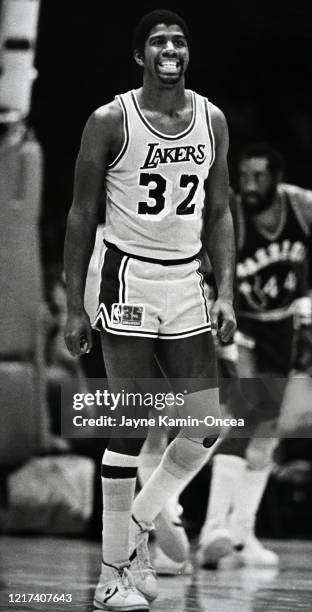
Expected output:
{"points": [[150, 299]]}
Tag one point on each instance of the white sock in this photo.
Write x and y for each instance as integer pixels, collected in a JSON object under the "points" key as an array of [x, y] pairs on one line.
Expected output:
{"points": [[148, 463], [171, 536], [181, 460], [151, 454], [248, 494], [118, 485], [226, 472]]}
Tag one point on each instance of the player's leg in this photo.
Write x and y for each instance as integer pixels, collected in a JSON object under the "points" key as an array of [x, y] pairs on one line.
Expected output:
{"points": [[188, 358], [248, 493], [251, 484], [171, 549], [125, 359], [234, 479], [215, 540], [190, 365]]}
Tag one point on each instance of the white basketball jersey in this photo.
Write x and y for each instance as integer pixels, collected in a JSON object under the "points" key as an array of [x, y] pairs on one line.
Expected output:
{"points": [[155, 186]]}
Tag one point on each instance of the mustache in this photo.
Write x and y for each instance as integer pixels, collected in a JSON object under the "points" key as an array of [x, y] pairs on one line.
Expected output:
{"points": [[260, 203]]}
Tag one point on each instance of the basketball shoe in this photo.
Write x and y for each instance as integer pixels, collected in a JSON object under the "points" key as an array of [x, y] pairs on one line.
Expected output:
{"points": [[213, 546], [165, 566], [116, 590], [171, 535], [253, 554]]}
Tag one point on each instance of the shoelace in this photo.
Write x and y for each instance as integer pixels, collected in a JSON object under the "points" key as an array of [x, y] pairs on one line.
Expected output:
{"points": [[143, 546], [125, 576]]}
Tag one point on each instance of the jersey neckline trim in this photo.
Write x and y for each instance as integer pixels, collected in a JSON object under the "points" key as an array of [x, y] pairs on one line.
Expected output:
{"points": [[276, 233], [265, 233], [161, 134]]}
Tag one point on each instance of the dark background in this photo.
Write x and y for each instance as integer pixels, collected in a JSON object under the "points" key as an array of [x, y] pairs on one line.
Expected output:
{"points": [[251, 58]]}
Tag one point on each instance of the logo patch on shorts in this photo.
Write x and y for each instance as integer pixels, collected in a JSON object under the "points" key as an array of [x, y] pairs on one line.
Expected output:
{"points": [[127, 314]]}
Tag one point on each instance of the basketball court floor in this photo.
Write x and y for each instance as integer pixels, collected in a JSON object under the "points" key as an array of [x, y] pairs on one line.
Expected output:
{"points": [[43, 566]]}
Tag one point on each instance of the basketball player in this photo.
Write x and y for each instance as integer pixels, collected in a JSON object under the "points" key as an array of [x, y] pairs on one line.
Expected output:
{"points": [[273, 229], [160, 153]]}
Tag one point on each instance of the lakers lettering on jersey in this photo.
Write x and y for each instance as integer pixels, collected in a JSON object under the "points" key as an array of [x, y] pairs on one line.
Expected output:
{"points": [[155, 187]]}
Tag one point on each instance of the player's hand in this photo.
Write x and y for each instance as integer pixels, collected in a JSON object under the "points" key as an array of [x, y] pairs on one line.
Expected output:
{"points": [[302, 350], [78, 333], [223, 321]]}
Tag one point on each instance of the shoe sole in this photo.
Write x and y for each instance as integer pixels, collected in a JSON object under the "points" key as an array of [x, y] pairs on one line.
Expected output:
{"points": [[166, 571], [261, 565], [99, 606], [174, 571], [216, 550]]}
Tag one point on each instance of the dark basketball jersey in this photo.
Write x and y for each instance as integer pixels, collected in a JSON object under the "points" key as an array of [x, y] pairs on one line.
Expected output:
{"points": [[272, 267], [271, 274]]}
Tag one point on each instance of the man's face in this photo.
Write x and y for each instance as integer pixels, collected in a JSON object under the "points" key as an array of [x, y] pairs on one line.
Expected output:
{"points": [[257, 185], [166, 54]]}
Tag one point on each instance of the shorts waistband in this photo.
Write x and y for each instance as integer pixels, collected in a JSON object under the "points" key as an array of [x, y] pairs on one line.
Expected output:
{"points": [[163, 262]]}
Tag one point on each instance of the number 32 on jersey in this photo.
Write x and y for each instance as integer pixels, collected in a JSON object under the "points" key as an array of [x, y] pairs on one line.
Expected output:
{"points": [[159, 192]]}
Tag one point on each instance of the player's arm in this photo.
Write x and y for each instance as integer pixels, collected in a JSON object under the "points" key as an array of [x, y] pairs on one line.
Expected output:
{"points": [[302, 350], [90, 170], [219, 231], [304, 200]]}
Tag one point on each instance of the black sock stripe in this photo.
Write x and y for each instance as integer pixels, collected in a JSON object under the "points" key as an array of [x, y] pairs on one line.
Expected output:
{"points": [[115, 471]]}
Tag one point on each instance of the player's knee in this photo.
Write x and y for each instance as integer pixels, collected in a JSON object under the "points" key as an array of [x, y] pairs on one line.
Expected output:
{"points": [[188, 454], [201, 417], [259, 453], [207, 440]]}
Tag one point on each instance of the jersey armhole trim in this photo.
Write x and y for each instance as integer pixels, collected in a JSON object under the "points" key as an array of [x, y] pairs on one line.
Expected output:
{"points": [[210, 132], [295, 207], [126, 134]]}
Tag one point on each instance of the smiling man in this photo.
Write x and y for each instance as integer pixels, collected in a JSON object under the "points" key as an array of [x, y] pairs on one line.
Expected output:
{"points": [[160, 152]]}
